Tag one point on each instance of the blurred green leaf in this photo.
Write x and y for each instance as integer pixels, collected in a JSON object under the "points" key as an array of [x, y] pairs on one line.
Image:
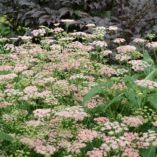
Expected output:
{"points": [[5, 137], [150, 152]]}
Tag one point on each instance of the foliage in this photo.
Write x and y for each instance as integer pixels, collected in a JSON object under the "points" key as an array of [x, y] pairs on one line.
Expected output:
{"points": [[133, 16], [4, 27], [68, 94], [49, 12], [4, 136]]}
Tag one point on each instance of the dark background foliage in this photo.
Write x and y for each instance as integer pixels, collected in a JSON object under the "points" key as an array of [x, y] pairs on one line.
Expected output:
{"points": [[134, 15]]}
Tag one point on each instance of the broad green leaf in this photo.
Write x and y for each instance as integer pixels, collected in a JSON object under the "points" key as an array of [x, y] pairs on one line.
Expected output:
{"points": [[150, 152]]}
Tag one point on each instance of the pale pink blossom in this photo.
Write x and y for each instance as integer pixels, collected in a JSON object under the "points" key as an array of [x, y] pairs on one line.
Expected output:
{"points": [[152, 45], [126, 49], [77, 113], [7, 77], [34, 123], [96, 153], [39, 32], [46, 150], [30, 90], [58, 30], [139, 65], [155, 123], [130, 152], [139, 41], [146, 83], [108, 71], [87, 135], [40, 113], [133, 121], [101, 119], [119, 40], [20, 67], [5, 67], [75, 147]]}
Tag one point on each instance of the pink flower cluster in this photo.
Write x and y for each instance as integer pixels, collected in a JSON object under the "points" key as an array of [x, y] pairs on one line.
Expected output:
{"points": [[113, 28], [119, 40], [94, 102], [19, 68], [5, 67], [152, 45], [122, 57], [75, 147], [133, 121], [130, 152], [101, 120], [106, 53], [40, 113], [139, 41], [108, 71], [39, 146], [126, 49], [76, 112], [113, 128], [126, 143], [139, 65], [5, 104], [96, 153], [99, 44], [119, 86], [146, 83], [148, 139], [38, 32], [30, 90], [87, 135], [155, 123], [34, 123], [79, 34], [58, 30], [7, 77]]}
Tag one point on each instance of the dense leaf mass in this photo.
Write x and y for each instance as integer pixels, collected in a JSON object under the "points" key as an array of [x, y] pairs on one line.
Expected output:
{"points": [[133, 15]]}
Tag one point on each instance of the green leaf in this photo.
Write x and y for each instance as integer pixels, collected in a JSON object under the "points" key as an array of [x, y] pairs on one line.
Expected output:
{"points": [[131, 95], [153, 100], [147, 58], [114, 100], [5, 137], [151, 75], [150, 152], [94, 91]]}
